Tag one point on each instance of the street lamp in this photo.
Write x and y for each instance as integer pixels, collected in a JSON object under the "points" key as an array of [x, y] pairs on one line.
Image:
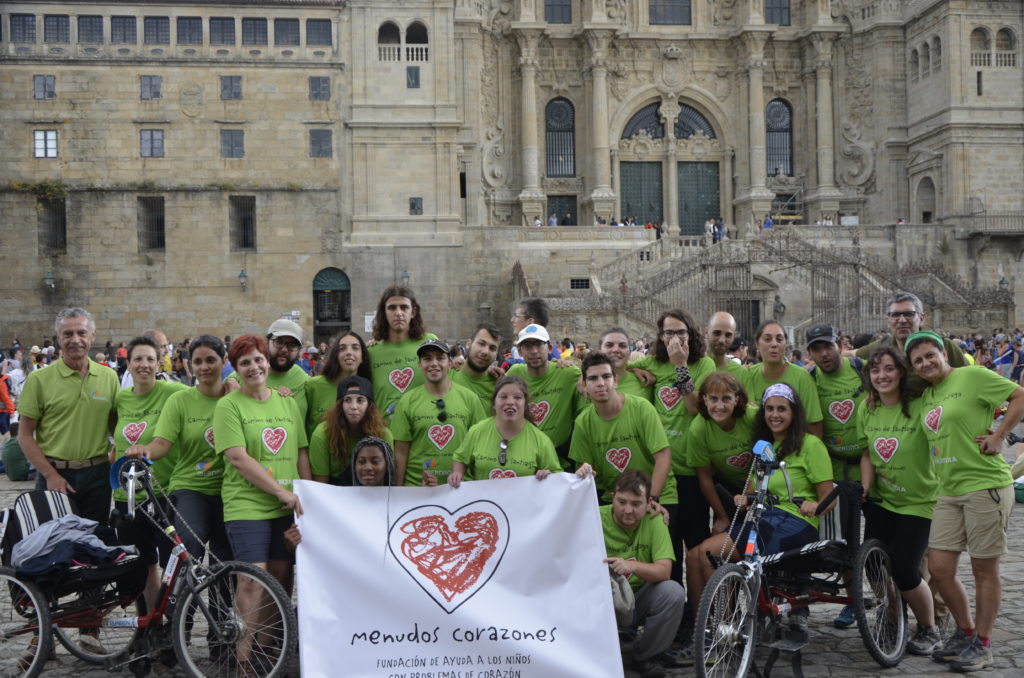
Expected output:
{"points": [[405, 278], [243, 278], [1004, 284], [50, 281]]}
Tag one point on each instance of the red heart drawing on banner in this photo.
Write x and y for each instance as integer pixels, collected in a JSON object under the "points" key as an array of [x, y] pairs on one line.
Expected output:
{"points": [[740, 460], [132, 432], [539, 412], [208, 435], [274, 438], [933, 419], [841, 410], [441, 435], [401, 379], [450, 554], [669, 396], [501, 473], [886, 447], [619, 458]]}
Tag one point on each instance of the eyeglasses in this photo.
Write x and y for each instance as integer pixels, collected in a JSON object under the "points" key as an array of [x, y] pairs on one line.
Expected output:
{"points": [[442, 416], [290, 345], [668, 334], [519, 315], [901, 314], [503, 452]]}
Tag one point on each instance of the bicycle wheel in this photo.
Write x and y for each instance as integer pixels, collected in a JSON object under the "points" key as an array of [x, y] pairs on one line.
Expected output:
{"points": [[97, 645], [877, 603], [25, 638], [725, 634], [239, 619]]}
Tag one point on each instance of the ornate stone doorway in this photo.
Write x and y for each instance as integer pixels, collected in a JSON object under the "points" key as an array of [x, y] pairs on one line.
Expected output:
{"points": [[332, 304]]}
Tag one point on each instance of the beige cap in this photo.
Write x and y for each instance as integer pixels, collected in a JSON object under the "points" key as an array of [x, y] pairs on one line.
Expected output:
{"points": [[285, 328]]}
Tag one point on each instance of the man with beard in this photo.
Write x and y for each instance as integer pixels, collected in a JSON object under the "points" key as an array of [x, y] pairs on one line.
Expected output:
{"points": [[284, 338], [721, 333], [841, 393], [476, 373]]}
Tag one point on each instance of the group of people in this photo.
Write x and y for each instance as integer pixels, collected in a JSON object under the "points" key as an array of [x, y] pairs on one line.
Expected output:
{"points": [[665, 435]]}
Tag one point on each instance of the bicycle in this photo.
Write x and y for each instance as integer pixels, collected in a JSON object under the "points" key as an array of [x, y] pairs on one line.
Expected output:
{"points": [[209, 634], [745, 601]]}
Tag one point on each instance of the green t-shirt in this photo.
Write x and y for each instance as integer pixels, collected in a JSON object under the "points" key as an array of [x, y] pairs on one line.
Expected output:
{"points": [[187, 423], [797, 377], [627, 441], [72, 414], [671, 407], [728, 453], [294, 379], [648, 542], [807, 468], [433, 443], [527, 452], [272, 432], [905, 480], [554, 399], [395, 370], [956, 411], [840, 397], [322, 459], [137, 418], [321, 395], [915, 384], [630, 385], [735, 369], [482, 386]]}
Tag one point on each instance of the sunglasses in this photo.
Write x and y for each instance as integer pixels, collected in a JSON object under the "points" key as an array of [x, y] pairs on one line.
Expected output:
{"points": [[503, 452], [442, 416]]}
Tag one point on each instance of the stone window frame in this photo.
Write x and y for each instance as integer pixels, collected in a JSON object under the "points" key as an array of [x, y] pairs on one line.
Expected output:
{"points": [[232, 143], [255, 30], [23, 28], [151, 87], [186, 30], [783, 136], [219, 28], [559, 140], [56, 29], [558, 11], [778, 12], [321, 143], [151, 221], [45, 143], [52, 225], [44, 87], [87, 25], [315, 38], [667, 8], [121, 25], [151, 143], [231, 88], [156, 30], [282, 31], [242, 223], [319, 88]]}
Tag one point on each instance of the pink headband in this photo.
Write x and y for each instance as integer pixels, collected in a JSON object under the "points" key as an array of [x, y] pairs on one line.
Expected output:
{"points": [[780, 389]]}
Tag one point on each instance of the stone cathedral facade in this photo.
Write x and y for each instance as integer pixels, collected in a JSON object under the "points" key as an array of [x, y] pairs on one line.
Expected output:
{"points": [[215, 165]]}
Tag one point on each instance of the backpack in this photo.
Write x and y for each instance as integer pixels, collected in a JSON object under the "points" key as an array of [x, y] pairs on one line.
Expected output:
{"points": [[857, 364]]}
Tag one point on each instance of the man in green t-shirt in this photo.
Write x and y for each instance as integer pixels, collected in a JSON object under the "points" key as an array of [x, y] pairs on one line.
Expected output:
{"points": [[431, 420], [398, 331], [475, 373], [554, 398], [67, 416], [614, 343], [841, 394], [639, 547], [720, 334]]}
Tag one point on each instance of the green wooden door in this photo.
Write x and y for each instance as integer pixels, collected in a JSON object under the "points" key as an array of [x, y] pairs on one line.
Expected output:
{"points": [[641, 191], [698, 196]]}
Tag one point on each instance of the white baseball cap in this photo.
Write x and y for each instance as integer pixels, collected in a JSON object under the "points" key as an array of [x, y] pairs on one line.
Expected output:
{"points": [[533, 332], [285, 328]]}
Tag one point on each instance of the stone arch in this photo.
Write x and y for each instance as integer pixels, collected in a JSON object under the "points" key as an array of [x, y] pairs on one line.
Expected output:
{"points": [[560, 137], [332, 303], [925, 201], [980, 40], [926, 60], [389, 34], [416, 34], [697, 97], [1006, 40], [936, 53], [915, 66]]}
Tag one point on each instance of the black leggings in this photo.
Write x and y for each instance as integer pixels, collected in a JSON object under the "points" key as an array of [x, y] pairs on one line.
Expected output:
{"points": [[905, 537], [691, 524]]}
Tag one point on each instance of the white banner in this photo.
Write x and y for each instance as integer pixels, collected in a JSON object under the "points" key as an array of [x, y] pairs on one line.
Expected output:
{"points": [[497, 578]]}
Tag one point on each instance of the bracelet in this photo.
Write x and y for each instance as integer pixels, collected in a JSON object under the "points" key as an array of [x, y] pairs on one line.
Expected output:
{"points": [[656, 498], [684, 383]]}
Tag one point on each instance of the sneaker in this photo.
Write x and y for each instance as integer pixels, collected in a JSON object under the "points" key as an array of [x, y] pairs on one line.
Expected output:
{"points": [[952, 648], [845, 619], [798, 619], [89, 640], [975, 657], [678, 656], [650, 668], [925, 641]]}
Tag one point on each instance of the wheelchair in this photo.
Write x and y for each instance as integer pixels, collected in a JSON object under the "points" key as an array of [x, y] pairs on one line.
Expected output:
{"points": [[743, 603]]}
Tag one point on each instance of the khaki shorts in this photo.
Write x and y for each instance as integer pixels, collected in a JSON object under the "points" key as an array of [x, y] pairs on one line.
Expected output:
{"points": [[975, 522]]}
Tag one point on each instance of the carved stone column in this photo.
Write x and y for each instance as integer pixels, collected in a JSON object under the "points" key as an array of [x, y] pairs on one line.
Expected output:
{"points": [[531, 198], [824, 199], [617, 183], [669, 111], [602, 197], [756, 200]]}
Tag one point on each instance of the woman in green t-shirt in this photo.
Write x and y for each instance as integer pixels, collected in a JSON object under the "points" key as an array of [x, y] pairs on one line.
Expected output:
{"points": [[353, 416], [770, 339], [897, 473], [508, 444], [346, 356], [975, 489]]}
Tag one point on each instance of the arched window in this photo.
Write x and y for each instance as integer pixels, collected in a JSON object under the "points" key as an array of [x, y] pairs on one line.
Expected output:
{"points": [[1006, 48], [778, 118], [915, 66], [389, 42], [647, 119], [560, 138], [926, 60], [332, 303], [981, 48], [936, 54], [689, 121], [925, 195], [416, 42]]}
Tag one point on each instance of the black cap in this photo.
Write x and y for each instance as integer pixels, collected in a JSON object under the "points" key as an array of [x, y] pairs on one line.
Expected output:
{"points": [[355, 384], [821, 332], [435, 344], [736, 343]]}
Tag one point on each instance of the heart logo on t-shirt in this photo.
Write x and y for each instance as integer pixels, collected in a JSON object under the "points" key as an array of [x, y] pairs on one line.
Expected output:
{"points": [[619, 458], [740, 460], [933, 419], [274, 438], [208, 436], [501, 473], [401, 379], [886, 447], [539, 412], [132, 432], [441, 434], [841, 410], [669, 396]]}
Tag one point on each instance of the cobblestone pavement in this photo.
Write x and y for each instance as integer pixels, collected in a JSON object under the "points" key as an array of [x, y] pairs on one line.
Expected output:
{"points": [[831, 652]]}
